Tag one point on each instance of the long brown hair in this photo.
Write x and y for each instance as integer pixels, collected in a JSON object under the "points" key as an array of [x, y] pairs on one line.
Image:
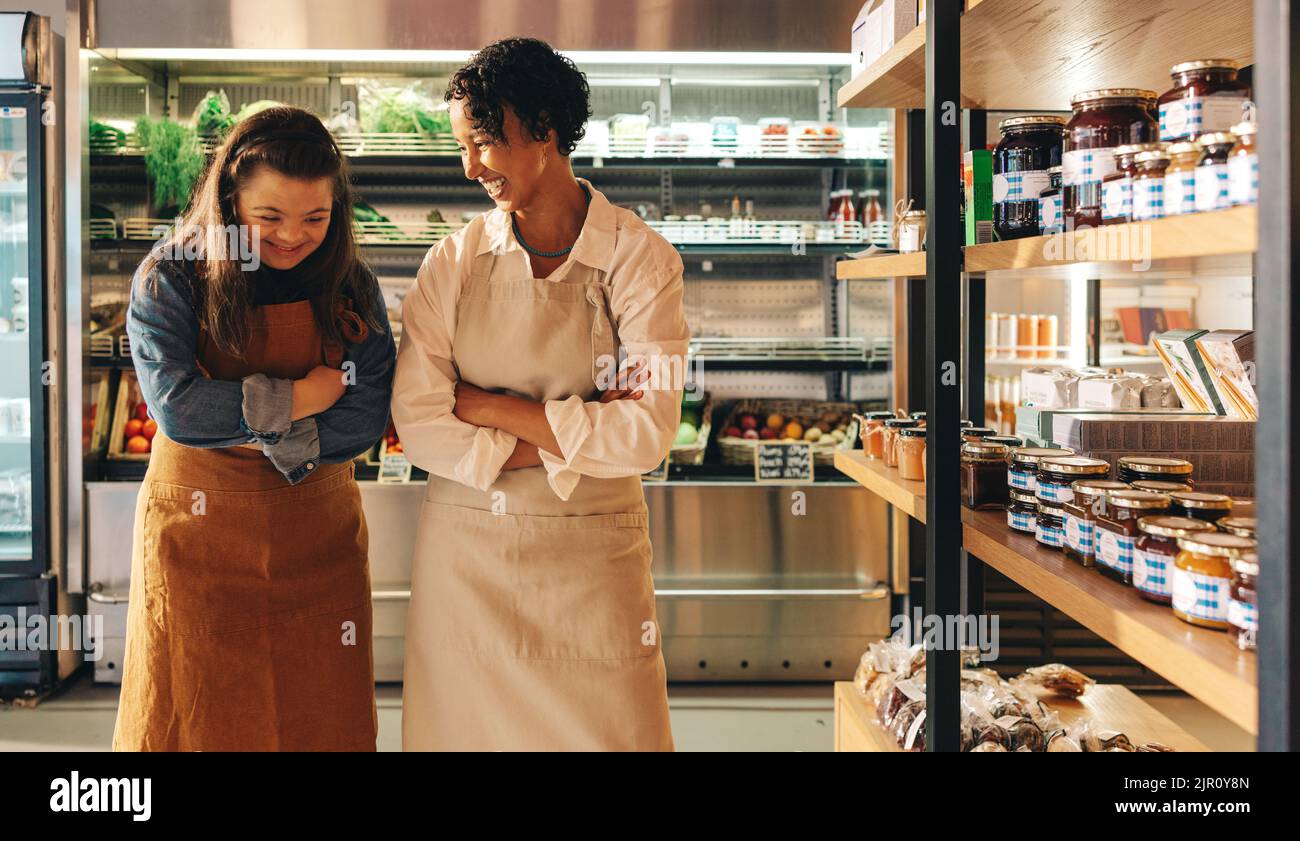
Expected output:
{"points": [[294, 143]]}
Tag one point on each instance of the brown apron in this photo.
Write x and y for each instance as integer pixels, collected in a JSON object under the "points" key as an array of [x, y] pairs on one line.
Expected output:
{"points": [[532, 620], [249, 623]]}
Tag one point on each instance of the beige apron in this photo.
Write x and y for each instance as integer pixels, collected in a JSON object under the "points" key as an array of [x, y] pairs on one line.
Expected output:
{"points": [[532, 619]]}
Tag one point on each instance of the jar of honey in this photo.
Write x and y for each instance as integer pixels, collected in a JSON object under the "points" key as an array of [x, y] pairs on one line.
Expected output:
{"points": [[1154, 553], [1203, 577], [1180, 177], [911, 453], [1149, 185]]}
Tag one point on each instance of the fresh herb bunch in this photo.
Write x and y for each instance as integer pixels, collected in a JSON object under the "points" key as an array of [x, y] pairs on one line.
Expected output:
{"points": [[212, 116], [172, 158]]}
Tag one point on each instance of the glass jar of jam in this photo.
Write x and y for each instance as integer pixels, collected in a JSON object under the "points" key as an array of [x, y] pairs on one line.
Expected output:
{"points": [[1240, 526], [1117, 530], [1058, 473], [1154, 553], [1212, 171], [1243, 166], [983, 475], [977, 433], [1159, 487], [1200, 506], [1022, 512], [1203, 577], [871, 430], [1243, 601], [1154, 468], [1102, 120], [1011, 441], [1050, 217], [1149, 185], [1206, 96], [1117, 187], [911, 453], [889, 444], [1180, 177], [1049, 525], [1029, 146], [1089, 500], [1022, 475]]}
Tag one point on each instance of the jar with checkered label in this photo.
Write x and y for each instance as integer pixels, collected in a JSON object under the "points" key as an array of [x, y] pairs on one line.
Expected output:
{"points": [[1022, 512], [1117, 187], [1057, 474], [1049, 525], [1212, 171], [1102, 120], [1022, 475], [1203, 577], [1050, 219], [1180, 177], [1154, 553], [1201, 506], [1243, 601], [1081, 517], [1206, 96], [1029, 146], [1149, 185], [1243, 166], [1134, 469], [1117, 530]]}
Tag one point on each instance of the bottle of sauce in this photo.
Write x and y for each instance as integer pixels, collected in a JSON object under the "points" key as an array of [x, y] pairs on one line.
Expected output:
{"points": [[1102, 120]]}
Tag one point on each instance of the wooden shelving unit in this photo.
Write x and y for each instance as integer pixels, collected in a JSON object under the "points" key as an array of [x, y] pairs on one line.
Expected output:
{"points": [[883, 266], [884, 482]]}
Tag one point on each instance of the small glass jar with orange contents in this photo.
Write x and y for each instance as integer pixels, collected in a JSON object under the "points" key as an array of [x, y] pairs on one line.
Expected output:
{"points": [[872, 432], [1203, 577], [889, 446], [911, 453]]}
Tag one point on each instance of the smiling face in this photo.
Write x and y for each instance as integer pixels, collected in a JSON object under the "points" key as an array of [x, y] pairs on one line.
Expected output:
{"points": [[510, 173], [292, 215]]}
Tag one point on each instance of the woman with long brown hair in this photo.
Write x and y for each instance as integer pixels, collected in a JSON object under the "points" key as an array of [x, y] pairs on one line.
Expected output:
{"points": [[263, 352]]}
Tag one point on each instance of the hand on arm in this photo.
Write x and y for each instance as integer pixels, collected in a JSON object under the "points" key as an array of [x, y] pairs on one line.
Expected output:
{"points": [[316, 392]]}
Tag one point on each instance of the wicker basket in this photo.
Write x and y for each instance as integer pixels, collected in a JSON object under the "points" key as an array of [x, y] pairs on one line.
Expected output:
{"points": [[741, 450], [694, 453]]}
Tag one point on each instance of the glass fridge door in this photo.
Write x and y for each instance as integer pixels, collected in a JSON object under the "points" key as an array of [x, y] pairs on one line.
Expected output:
{"points": [[22, 396]]}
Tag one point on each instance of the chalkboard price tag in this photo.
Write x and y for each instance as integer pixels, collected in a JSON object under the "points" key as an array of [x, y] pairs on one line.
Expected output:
{"points": [[783, 462], [660, 473], [394, 469]]}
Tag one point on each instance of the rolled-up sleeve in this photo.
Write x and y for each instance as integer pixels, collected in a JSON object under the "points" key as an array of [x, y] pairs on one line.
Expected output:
{"points": [[629, 437], [424, 387]]}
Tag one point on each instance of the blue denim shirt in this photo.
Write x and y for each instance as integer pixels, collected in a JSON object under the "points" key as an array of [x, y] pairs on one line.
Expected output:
{"points": [[199, 412]]}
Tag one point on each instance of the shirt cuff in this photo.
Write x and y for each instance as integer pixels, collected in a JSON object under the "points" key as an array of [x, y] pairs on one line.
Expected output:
{"points": [[267, 408], [297, 453], [571, 426], [481, 464]]}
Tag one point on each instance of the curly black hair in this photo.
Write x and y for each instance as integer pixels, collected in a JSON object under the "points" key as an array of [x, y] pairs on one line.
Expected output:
{"points": [[546, 90]]}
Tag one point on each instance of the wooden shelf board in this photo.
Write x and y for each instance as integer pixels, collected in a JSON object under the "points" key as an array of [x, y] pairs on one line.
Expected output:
{"points": [[884, 482], [883, 266], [1036, 54], [1205, 663], [1232, 231], [1110, 706]]}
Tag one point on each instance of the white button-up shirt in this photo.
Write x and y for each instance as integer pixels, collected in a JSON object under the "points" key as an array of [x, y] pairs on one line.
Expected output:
{"points": [[605, 440]]}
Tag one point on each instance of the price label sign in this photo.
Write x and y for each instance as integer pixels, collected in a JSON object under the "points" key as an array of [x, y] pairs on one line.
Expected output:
{"points": [[394, 469], [660, 473], [783, 462]]}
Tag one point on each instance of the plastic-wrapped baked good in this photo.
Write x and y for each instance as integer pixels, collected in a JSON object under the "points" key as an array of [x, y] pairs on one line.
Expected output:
{"points": [[909, 726], [904, 692], [1062, 742], [988, 747], [1153, 747], [1059, 678], [1024, 734]]}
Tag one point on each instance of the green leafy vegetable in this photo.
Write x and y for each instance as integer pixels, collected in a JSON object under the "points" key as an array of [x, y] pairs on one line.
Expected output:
{"points": [[102, 134], [402, 108], [212, 116], [378, 224], [172, 158]]}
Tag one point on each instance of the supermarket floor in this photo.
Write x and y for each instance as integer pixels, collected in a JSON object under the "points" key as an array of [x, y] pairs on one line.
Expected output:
{"points": [[714, 717]]}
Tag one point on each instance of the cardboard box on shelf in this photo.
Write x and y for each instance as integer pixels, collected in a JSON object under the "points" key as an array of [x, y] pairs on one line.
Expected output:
{"points": [[1182, 360], [1145, 432], [977, 177], [1229, 359], [1039, 423]]}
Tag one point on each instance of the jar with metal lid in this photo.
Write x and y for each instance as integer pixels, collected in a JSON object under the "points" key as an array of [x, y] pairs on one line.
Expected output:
{"points": [[1149, 185], [1088, 500], [1049, 525], [1057, 474], [911, 231], [983, 475], [1243, 600], [1029, 146], [1050, 217], [1023, 472], [1159, 486], [1240, 526], [1117, 187], [911, 453], [889, 446], [1212, 171], [1243, 166], [977, 433], [1117, 530], [1010, 440], [1201, 506], [1206, 96], [1203, 577], [1154, 468], [1022, 512], [1180, 177], [1154, 553], [1102, 120], [919, 417], [872, 432]]}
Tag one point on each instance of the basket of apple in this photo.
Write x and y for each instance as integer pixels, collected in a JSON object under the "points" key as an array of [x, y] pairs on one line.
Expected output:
{"points": [[133, 430], [825, 425]]}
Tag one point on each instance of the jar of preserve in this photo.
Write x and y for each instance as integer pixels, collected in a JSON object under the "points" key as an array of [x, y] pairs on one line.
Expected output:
{"points": [[1206, 96], [1117, 530], [1089, 500], [1117, 187], [1159, 487], [1154, 468], [919, 417], [1029, 147], [977, 433], [1023, 473], [1154, 553], [1011, 441], [1149, 185], [1212, 171], [983, 475], [1201, 506], [911, 453], [872, 433], [911, 231], [1240, 526], [1102, 120], [1022, 512], [1050, 217], [1180, 177], [1049, 525], [1203, 577], [1243, 166], [1243, 600], [889, 444], [1058, 473]]}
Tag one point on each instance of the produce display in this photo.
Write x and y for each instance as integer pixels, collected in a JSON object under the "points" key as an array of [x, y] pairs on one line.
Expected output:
{"points": [[402, 108], [133, 430], [212, 115], [172, 157]]}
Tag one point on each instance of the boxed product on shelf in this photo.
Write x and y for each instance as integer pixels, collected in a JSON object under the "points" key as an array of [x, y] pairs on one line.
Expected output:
{"points": [[1229, 359], [1049, 388], [827, 426], [131, 435], [1039, 424], [879, 25], [1109, 392], [1177, 350], [977, 176]]}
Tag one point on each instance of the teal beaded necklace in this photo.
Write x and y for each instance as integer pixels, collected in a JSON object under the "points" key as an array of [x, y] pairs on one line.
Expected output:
{"points": [[514, 224]]}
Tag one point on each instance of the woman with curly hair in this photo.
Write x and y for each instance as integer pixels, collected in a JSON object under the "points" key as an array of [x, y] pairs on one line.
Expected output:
{"points": [[532, 617]]}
